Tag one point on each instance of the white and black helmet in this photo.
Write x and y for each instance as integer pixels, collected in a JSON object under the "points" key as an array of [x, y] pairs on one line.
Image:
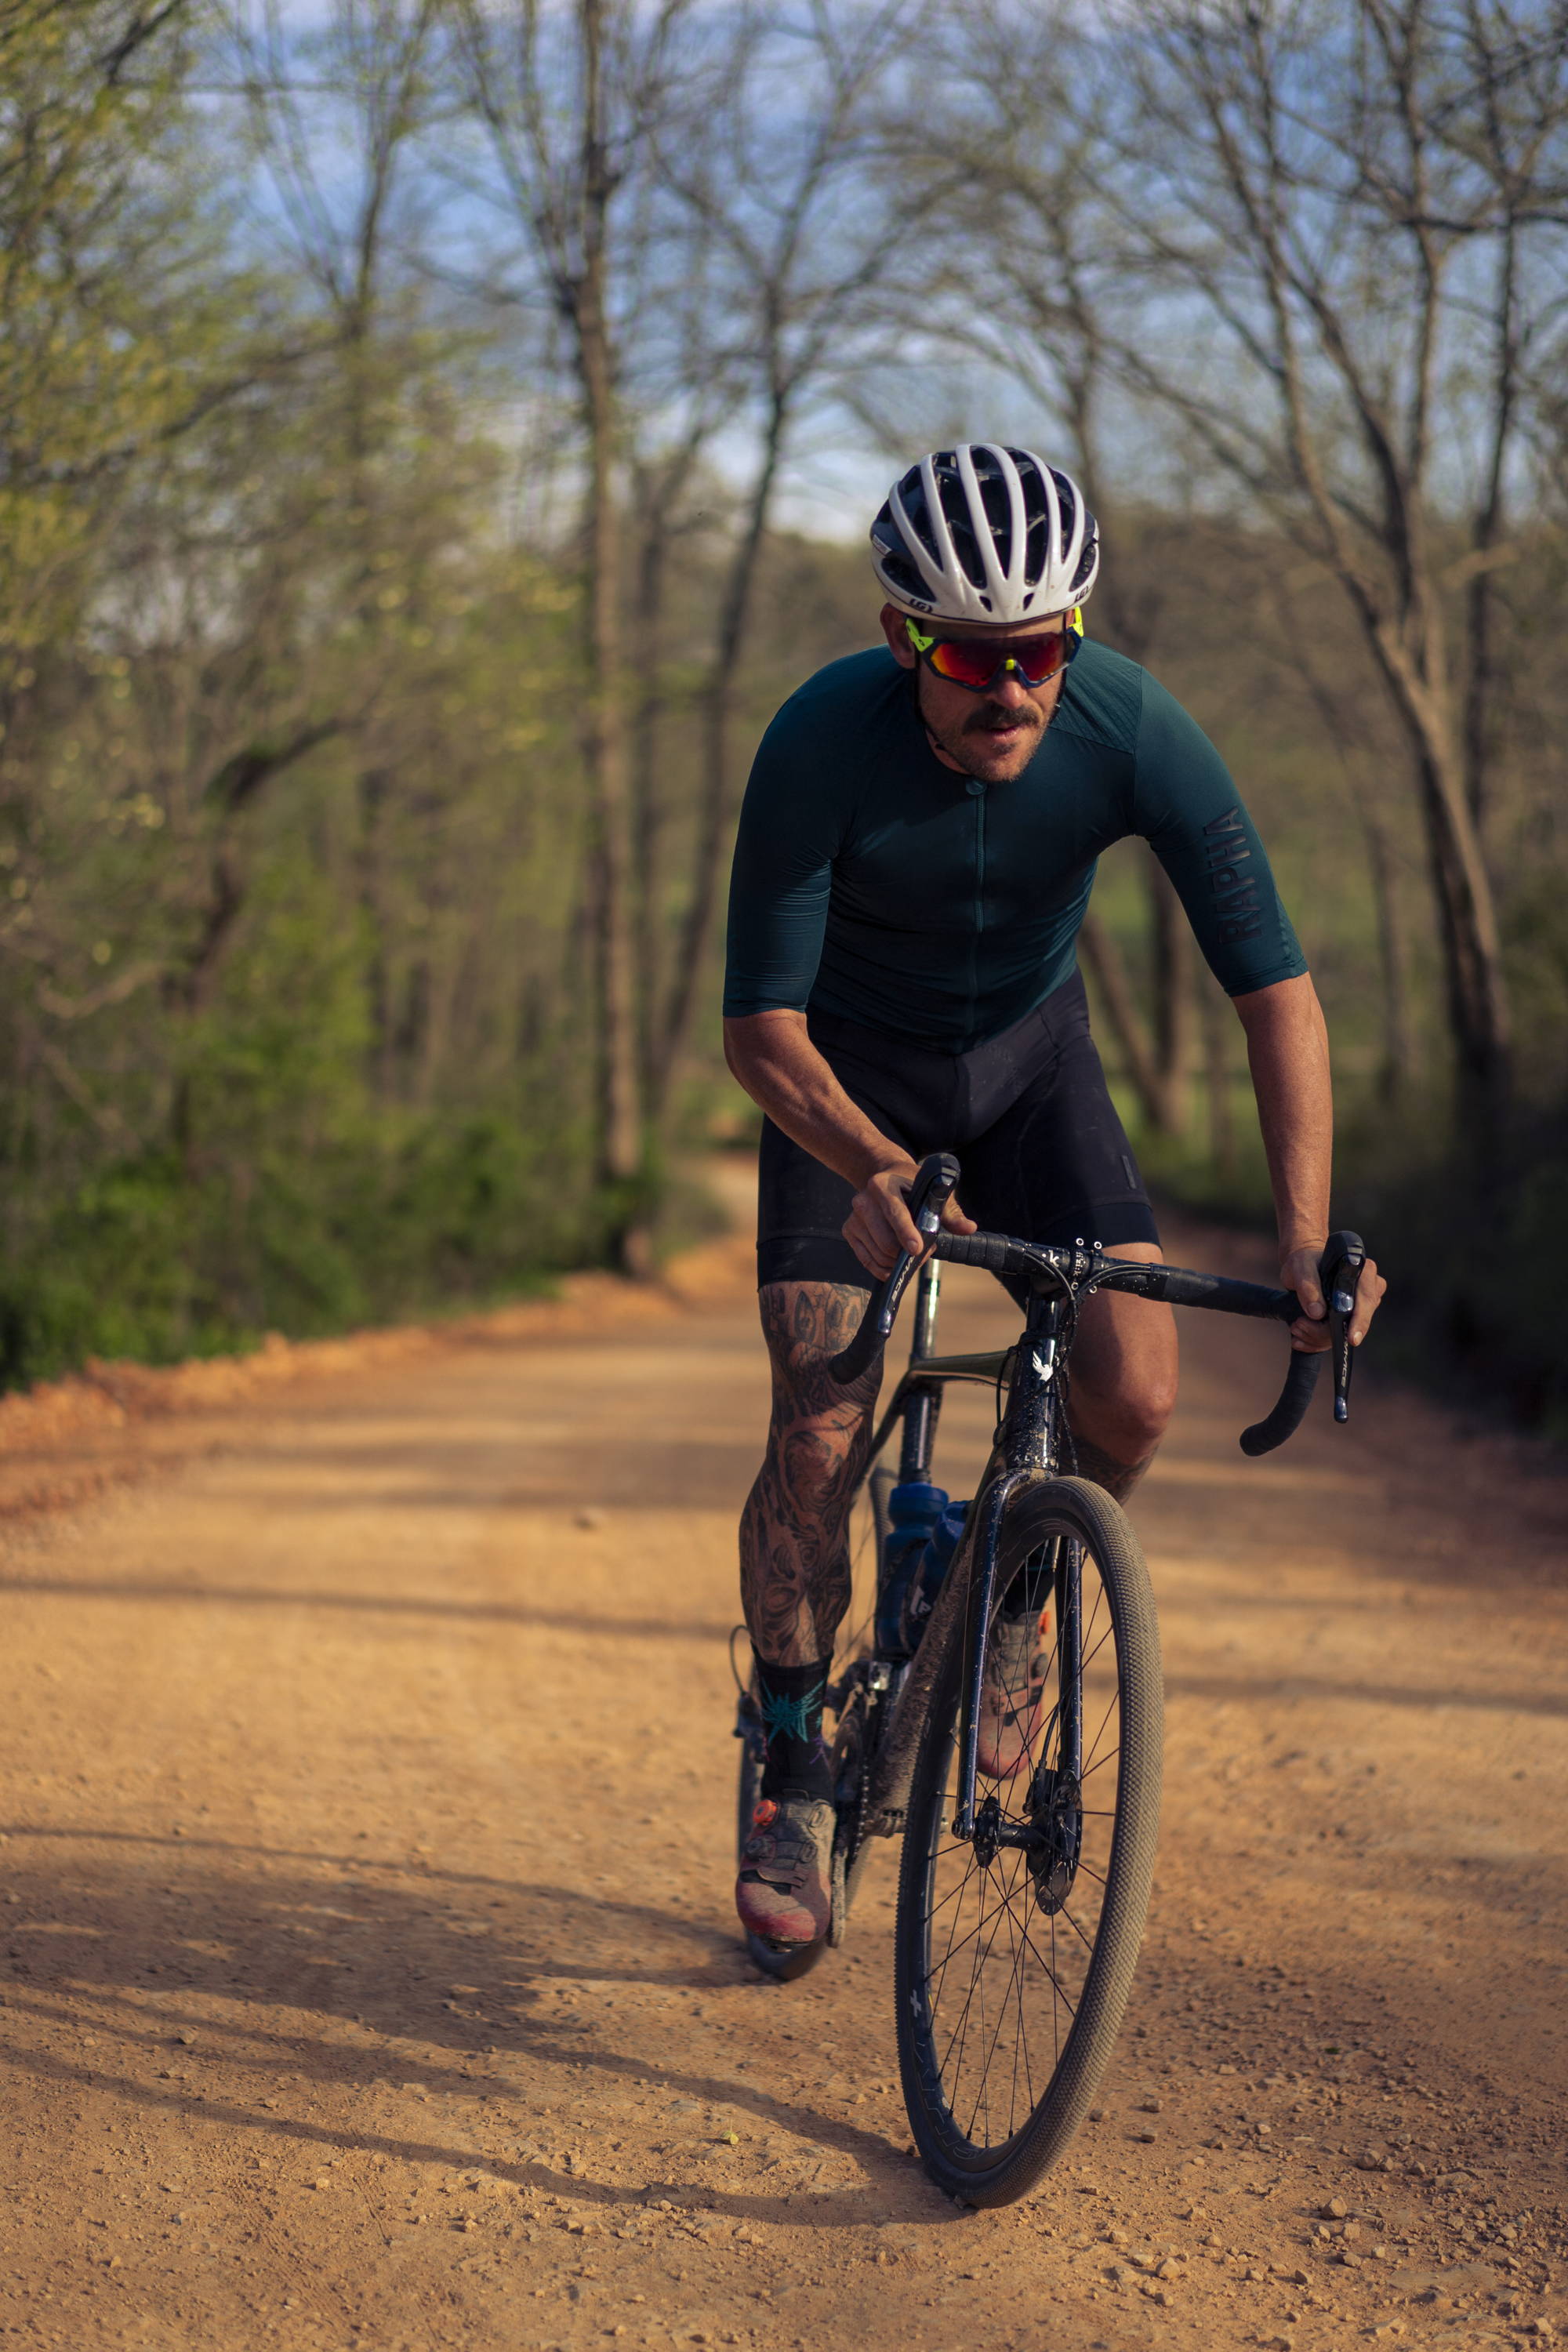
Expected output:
{"points": [[984, 533]]}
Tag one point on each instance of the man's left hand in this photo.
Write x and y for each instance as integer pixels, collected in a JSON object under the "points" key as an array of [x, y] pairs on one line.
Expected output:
{"points": [[1299, 1272]]}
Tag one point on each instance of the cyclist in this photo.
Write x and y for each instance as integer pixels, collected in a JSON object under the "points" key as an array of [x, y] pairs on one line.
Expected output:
{"points": [[916, 851]]}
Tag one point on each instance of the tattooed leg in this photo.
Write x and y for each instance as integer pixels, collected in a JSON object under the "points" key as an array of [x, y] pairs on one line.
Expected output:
{"points": [[795, 1562]]}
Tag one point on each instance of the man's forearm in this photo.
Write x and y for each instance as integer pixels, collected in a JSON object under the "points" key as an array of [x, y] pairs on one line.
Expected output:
{"points": [[772, 1056], [1287, 1052]]}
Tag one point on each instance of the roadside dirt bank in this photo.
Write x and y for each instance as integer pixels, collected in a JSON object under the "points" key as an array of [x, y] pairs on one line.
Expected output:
{"points": [[115, 1423], [368, 1975]]}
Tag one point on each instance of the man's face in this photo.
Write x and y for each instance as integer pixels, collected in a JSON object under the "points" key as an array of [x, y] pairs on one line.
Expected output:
{"points": [[993, 735]]}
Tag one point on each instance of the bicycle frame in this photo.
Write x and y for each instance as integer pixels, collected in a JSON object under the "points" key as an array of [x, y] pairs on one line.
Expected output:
{"points": [[1026, 1452]]}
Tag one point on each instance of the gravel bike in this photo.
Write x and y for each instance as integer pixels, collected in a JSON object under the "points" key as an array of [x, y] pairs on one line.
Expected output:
{"points": [[1025, 1876]]}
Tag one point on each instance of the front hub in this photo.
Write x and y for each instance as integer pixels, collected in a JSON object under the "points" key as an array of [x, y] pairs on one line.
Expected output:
{"points": [[1056, 1822], [987, 1838]]}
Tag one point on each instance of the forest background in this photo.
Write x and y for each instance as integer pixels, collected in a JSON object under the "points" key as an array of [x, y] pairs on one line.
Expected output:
{"points": [[435, 435]]}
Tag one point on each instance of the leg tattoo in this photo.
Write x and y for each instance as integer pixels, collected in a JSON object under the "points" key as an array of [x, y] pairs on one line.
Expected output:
{"points": [[794, 1563], [1118, 1478]]}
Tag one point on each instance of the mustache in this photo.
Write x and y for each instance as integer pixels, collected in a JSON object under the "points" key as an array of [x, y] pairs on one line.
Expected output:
{"points": [[994, 715]]}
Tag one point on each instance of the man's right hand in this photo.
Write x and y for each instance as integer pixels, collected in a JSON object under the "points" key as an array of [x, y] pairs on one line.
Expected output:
{"points": [[880, 1227]]}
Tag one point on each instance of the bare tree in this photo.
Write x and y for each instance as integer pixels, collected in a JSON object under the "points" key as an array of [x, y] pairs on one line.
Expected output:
{"points": [[1361, 754], [692, 383], [1512, 133], [1324, 188], [334, 112], [771, 167], [569, 99]]}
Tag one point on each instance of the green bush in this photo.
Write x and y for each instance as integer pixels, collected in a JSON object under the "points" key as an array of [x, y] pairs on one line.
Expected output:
{"points": [[1477, 1269], [145, 1261]]}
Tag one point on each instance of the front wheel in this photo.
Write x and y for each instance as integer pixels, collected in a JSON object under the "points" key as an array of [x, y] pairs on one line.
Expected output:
{"points": [[1016, 1948]]}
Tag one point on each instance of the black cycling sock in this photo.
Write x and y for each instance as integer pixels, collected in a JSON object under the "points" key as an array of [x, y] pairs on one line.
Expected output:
{"points": [[791, 1700]]}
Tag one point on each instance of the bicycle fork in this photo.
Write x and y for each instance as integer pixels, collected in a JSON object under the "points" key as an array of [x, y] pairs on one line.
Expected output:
{"points": [[1027, 1441]]}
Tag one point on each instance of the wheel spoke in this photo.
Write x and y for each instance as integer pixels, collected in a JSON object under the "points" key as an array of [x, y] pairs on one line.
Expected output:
{"points": [[952, 1931], [1090, 1656], [1065, 1997], [1011, 1993], [982, 1979], [963, 1942], [1086, 1941], [978, 1971], [1112, 1702], [1055, 2021]]}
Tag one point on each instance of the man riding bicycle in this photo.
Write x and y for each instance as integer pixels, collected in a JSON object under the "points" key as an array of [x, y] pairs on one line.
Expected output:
{"points": [[916, 852]]}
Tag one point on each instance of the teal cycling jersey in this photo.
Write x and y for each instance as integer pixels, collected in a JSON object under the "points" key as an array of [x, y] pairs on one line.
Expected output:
{"points": [[874, 884]]}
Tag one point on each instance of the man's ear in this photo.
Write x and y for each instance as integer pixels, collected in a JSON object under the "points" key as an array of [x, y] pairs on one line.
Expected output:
{"points": [[893, 629]]}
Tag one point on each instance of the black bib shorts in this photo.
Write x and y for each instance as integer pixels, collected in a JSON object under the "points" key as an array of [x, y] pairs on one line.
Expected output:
{"points": [[1028, 1114]]}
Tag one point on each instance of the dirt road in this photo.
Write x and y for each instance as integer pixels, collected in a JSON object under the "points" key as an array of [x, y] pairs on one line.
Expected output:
{"points": [[372, 1978]]}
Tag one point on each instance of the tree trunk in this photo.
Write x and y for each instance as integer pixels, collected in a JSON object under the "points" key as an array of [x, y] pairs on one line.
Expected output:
{"points": [[717, 804], [647, 813], [1483, 673], [374, 787], [1398, 1041], [1476, 987], [605, 734]]}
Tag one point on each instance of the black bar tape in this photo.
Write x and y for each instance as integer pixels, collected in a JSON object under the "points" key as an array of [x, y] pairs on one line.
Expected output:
{"points": [[1301, 1380]]}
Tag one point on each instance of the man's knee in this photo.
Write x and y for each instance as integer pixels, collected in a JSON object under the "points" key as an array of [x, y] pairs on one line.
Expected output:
{"points": [[1128, 1408], [1150, 1400]]}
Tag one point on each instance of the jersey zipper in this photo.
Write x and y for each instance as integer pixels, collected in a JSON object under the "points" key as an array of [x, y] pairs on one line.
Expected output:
{"points": [[978, 790]]}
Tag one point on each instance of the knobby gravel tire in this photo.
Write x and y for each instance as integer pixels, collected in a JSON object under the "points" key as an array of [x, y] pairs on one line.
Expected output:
{"points": [[973, 2168]]}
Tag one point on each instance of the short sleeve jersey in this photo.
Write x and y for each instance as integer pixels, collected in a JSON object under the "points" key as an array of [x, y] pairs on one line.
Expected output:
{"points": [[874, 884]]}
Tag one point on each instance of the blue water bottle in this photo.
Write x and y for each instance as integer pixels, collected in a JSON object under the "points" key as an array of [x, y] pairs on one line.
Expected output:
{"points": [[920, 1590], [915, 1513]]}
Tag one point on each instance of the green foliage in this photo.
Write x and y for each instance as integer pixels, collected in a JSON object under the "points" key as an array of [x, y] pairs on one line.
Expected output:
{"points": [[145, 1261], [295, 1034], [289, 1195], [1479, 1270], [119, 306]]}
